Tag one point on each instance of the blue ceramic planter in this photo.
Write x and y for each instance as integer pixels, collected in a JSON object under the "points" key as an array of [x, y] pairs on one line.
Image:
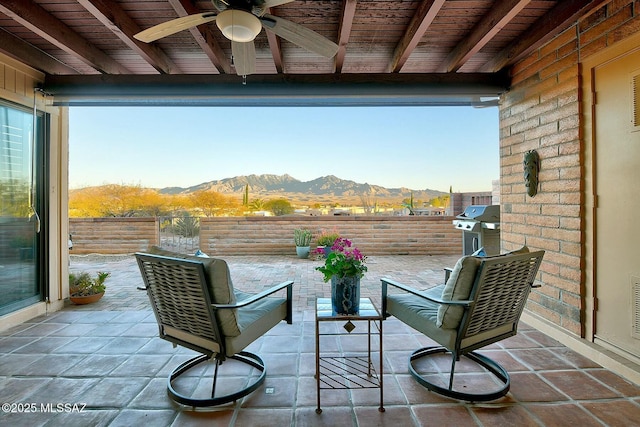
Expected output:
{"points": [[345, 294]]}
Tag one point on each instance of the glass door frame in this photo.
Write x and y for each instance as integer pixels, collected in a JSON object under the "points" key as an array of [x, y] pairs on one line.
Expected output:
{"points": [[39, 158]]}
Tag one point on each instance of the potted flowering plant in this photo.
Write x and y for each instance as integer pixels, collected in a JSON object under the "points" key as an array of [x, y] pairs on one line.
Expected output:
{"points": [[344, 260], [344, 266]]}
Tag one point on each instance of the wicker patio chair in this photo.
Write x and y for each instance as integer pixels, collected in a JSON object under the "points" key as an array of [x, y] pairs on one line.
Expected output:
{"points": [[196, 307], [480, 304]]}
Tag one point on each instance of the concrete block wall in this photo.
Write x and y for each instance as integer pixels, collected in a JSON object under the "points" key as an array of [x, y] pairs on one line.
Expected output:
{"points": [[220, 236], [542, 111], [407, 235], [112, 235]]}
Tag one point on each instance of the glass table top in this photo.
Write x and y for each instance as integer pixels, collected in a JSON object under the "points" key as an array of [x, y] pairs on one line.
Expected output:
{"points": [[367, 310]]}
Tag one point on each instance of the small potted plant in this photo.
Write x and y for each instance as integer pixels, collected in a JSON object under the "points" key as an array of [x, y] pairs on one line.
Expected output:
{"points": [[84, 289], [325, 240], [302, 238]]}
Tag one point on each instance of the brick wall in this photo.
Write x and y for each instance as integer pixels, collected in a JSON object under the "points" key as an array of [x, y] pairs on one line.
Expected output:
{"points": [[407, 235], [460, 201], [415, 235], [113, 235], [542, 112]]}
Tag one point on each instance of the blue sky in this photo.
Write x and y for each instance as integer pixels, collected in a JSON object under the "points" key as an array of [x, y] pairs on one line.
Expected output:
{"points": [[413, 147]]}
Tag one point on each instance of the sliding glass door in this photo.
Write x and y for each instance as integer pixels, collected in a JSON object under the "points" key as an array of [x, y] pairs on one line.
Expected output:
{"points": [[22, 172]]}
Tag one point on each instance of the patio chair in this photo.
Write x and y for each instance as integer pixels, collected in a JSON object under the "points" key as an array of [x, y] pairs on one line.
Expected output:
{"points": [[197, 307], [480, 304]]}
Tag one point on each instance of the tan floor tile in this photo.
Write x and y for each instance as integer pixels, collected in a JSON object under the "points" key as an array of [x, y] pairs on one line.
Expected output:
{"points": [[578, 385], [529, 387], [393, 416], [620, 413], [263, 417], [334, 416], [541, 359], [443, 415], [616, 382], [283, 394], [218, 417], [562, 415], [506, 415]]}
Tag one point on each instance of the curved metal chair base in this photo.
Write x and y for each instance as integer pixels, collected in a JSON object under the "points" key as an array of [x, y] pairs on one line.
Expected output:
{"points": [[245, 357], [481, 360]]}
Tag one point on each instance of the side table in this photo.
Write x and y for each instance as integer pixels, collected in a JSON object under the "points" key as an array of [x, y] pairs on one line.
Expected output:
{"points": [[348, 371]]}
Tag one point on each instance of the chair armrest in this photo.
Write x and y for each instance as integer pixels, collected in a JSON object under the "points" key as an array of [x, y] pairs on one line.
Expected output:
{"points": [[447, 273], [288, 285], [389, 282]]}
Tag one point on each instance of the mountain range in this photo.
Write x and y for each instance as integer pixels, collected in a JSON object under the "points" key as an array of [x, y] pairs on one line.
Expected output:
{"points": [[326, 189]]}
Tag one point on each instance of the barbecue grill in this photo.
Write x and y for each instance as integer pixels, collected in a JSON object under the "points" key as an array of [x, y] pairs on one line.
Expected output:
{"points": [[480, 225]]}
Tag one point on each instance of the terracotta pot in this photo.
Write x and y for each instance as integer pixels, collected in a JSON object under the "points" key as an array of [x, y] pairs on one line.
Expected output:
{"points": [[86, 299]]}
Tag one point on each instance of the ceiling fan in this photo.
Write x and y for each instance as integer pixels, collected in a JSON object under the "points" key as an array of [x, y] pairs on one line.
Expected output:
{"points": [[240, 21]]}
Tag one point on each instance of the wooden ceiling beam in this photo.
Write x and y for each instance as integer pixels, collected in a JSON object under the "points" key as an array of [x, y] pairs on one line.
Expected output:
{"points": [[204, 36], [556, 20], [422, 19], [346, 23], [502, 12], [275, 47], [113, 17], [38, 20], [35, 58]]}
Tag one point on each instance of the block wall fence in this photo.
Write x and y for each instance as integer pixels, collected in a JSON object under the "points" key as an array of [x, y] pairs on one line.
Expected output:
{"points": [[220, 236], [542, 111], [113, 235]]}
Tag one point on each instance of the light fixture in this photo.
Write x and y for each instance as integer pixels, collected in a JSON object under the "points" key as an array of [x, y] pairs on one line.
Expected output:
{"points": [[238, 25]]}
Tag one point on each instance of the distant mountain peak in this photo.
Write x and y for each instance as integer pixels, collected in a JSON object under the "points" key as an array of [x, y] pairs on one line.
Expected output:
{"points": [[324, 188]]}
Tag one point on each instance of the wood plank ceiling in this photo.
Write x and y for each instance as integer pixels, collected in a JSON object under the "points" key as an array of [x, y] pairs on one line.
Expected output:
{"points": [[73, 40]]}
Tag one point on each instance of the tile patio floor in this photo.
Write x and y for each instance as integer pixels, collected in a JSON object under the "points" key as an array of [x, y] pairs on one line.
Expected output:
{"points": [[107, 356]]}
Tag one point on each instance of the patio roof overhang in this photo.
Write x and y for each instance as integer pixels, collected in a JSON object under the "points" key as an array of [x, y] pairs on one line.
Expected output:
{"points": [[450, 89]]}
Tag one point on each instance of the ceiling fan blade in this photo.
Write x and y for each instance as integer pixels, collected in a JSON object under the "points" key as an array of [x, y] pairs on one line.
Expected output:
{"points": [[300, 35], [174, 26], [244, 57]]}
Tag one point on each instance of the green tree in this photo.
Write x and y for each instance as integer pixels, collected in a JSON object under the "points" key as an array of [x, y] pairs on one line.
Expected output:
{"points": [[279, 207]]}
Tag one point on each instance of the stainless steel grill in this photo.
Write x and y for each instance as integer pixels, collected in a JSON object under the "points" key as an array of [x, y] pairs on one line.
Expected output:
{"points": [[480, 225]]}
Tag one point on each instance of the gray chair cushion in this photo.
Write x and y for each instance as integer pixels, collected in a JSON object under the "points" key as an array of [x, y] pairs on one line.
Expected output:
{"points": [[421, 314], [458, 287], [255, 320], [220, 287], [459, 284]]}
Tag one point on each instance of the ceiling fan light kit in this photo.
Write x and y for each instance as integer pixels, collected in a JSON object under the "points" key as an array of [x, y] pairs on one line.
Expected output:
{"points": [[238, 25]]}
